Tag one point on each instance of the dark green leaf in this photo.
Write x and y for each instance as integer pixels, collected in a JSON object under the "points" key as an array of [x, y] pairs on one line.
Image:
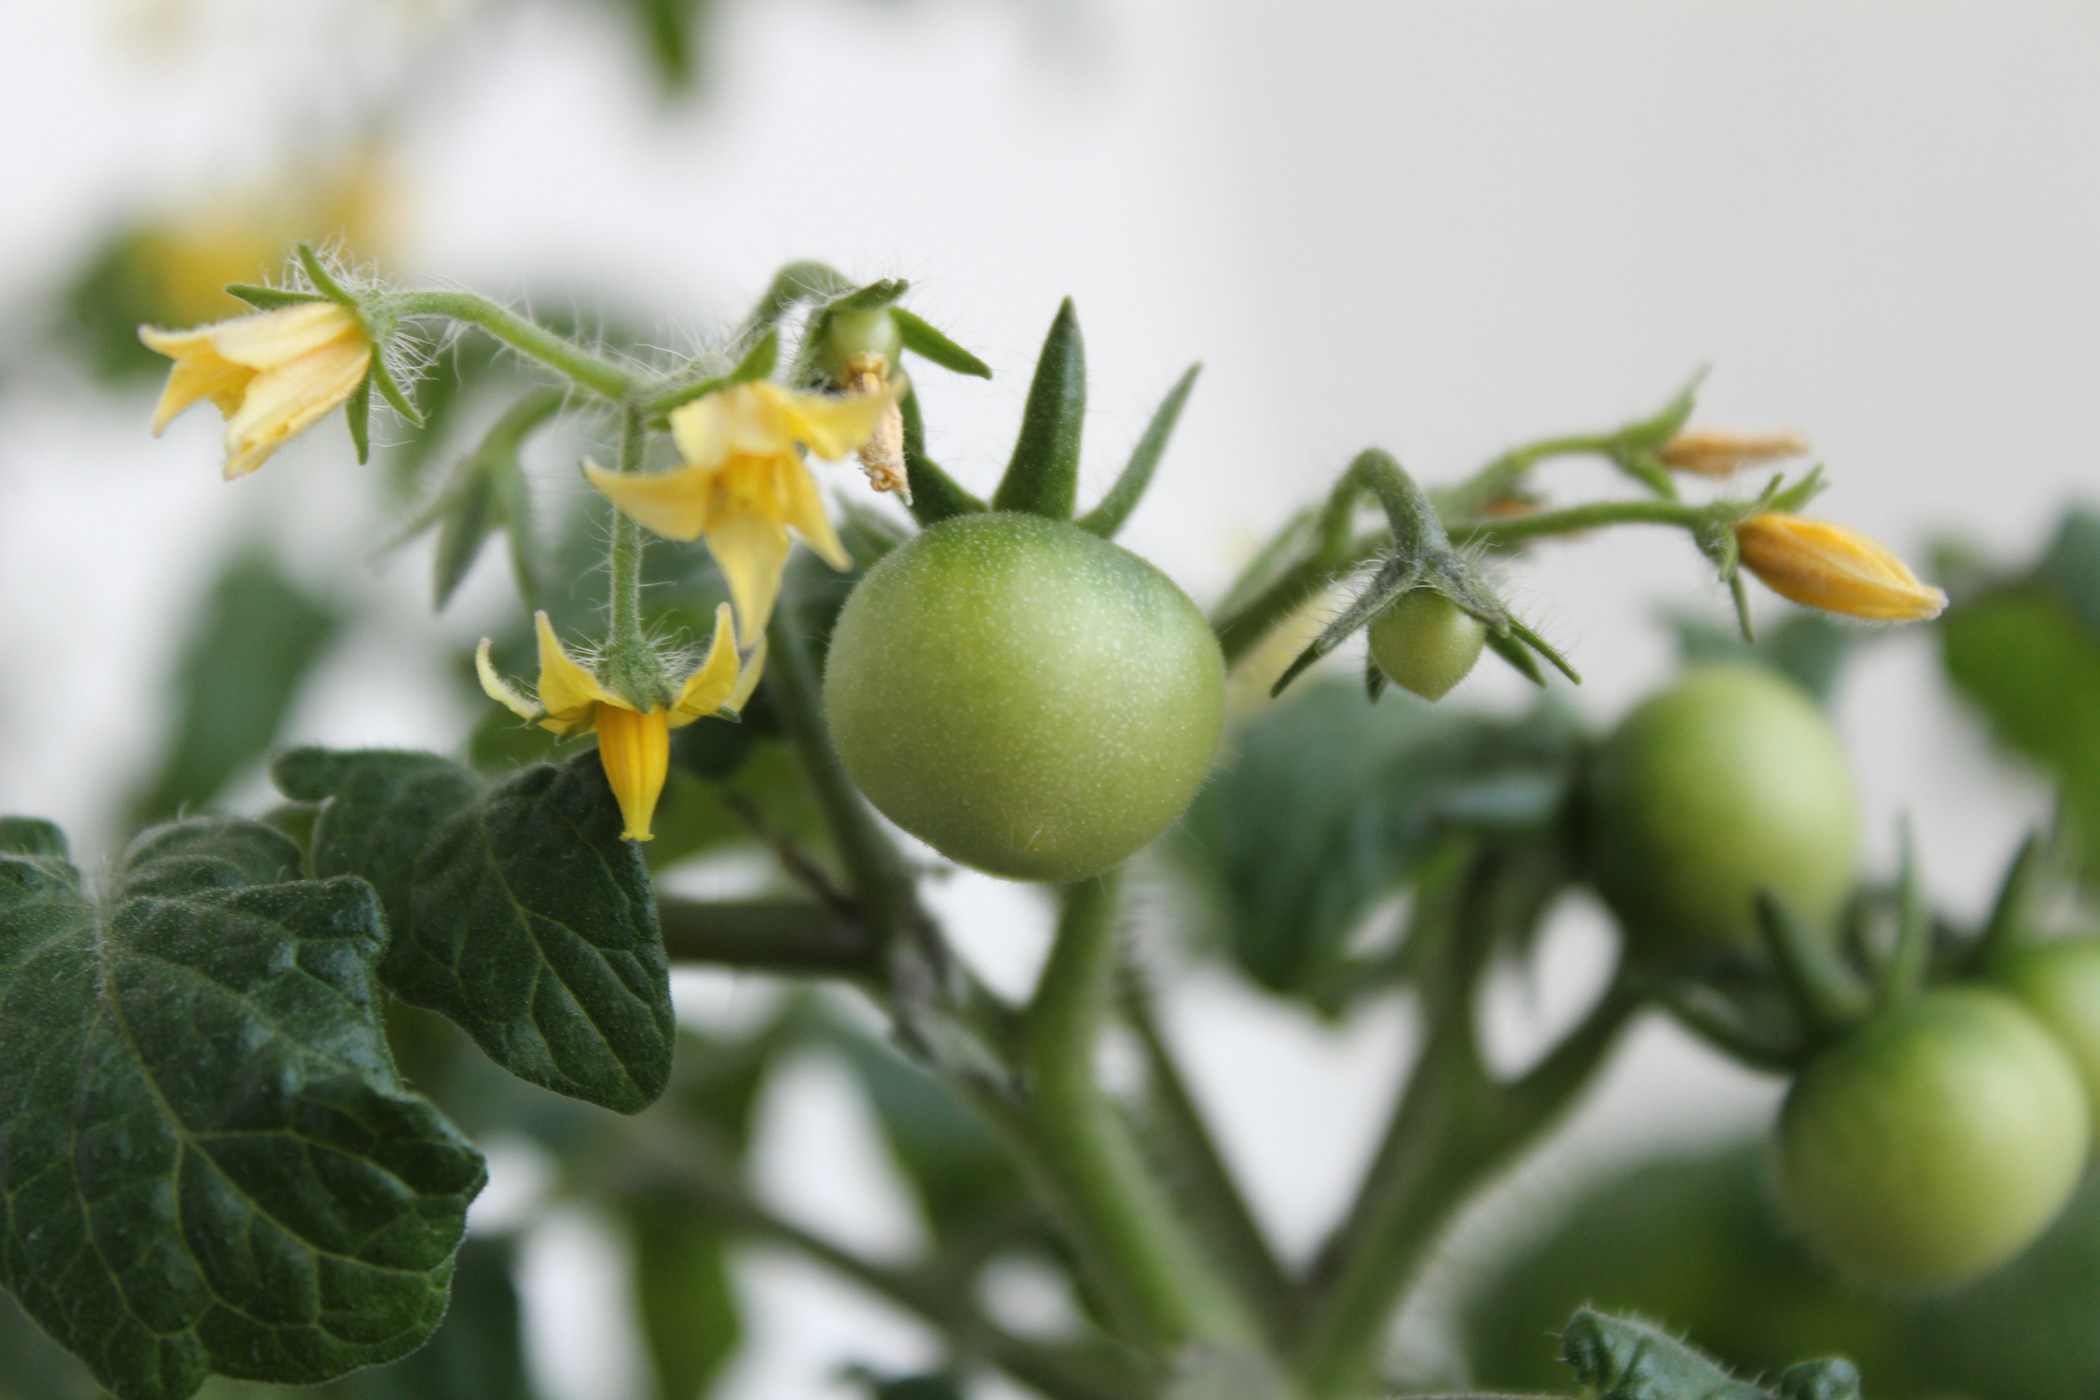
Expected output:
{"points": [[929, 344], [480, 1350], [1122, 498], [1043, 474], [210, 1162], [517, 910], [256, 637], [935, 495], [1326, 804], [2022, 656]]}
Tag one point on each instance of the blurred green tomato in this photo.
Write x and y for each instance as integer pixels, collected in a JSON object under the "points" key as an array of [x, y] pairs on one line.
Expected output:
{"points": [[2060, 983]]}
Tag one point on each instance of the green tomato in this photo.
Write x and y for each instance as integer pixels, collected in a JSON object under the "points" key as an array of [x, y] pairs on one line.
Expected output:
{"points": [[1727, 783], [1935, 1142], [1425, 644], [1023, 696], [2060, 983], [849, 335]]}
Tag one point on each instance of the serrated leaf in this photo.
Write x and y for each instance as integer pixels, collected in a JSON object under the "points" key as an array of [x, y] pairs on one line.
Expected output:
{"points": [[255, 638], [1043, 474], [923, 340], [210, 1163], [517, 910], [1327, 804]]}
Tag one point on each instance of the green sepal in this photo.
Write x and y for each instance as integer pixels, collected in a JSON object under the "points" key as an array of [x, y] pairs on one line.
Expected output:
{"points": [[1829, 994], [357, 410], [212, 1164], [1621, 1358], [324, 280], [868, 298], [1043, 474], [270, 298], [923, 340], [1108, 515], [796, 282], [1904, 973], [390, 389], [1653, 433], [517, 910], [935, 495]]}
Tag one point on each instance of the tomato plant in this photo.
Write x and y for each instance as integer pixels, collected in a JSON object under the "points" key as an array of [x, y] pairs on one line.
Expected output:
{"points": [[1726, 784], [1023, 696], [1935, 1142], [1425, 644]]}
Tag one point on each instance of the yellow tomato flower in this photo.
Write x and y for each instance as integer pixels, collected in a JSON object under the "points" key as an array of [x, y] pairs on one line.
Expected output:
{"points": [[272, 374], [1723, 452], [634, 743], [1821, 565], [744, 483]]}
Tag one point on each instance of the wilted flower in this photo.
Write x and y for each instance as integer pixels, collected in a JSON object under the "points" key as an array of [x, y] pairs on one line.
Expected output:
{"points": [[1720, 452], [1821, 565], [744, 483], [634, 740], [272, 374]]}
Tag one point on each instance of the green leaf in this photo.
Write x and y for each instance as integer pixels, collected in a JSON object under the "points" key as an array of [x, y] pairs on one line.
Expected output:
{"points": [[480, 1350], [929, 344], [1620, 1358], [684, 1297], [211, 1165], [471, 514], [935, 495], [517, 910], [1325, 805], [1043, 474], [2023, 657], [1122, 498], [256, 638]]}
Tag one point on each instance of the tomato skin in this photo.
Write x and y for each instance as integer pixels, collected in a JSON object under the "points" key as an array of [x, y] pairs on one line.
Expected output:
{"points": [[1424, 643], [1728, 782], [2059, 982], [1935, 1142], [1023, 696], [851, 335]]}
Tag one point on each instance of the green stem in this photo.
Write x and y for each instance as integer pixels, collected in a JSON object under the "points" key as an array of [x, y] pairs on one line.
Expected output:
{"points": [[703, 1169], [1153, 1278], [600, 376], [792, 937], [627, 547], [1242, 629], [1202, 1180], [1503, 475], [1517, 529]]}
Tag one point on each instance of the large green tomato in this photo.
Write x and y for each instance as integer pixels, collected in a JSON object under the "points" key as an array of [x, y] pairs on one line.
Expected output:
{"points": [[1934, 1143], [2060, 983], [1724, 784], [1023, 696]]}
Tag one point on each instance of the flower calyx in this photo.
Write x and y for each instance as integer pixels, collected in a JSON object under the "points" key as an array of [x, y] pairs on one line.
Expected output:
{"points": [[633, 729]]}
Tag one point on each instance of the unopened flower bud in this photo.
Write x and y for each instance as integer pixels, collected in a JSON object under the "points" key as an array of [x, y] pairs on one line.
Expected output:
{"points": [[1720, 452], [1821, 565]]}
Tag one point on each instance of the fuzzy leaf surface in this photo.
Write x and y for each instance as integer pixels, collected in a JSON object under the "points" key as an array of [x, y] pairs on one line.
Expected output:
{"points": [[517, 910], [207, 1161]]}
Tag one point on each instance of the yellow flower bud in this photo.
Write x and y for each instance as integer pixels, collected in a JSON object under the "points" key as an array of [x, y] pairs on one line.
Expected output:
{"points": [[1720, 452], [273, 374], [1821, 565]]}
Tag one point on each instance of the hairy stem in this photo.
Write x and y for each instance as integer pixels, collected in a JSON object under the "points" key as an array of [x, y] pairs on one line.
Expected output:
{"points": [[1518, 529], [627, 545], [601, 376]]}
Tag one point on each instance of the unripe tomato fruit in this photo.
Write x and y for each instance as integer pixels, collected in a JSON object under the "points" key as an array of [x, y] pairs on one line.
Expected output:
{"points": [[2059, 983], [849, 335], [1023, 696], [1425, 644], [1934, 1143], [1728, 782]]}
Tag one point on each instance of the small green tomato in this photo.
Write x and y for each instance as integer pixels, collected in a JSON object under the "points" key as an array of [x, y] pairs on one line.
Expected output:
{"points": [[1727, 783], [1935, 1142], [1023, 696], [2060, 983], [851, 335], [1425, 644]]}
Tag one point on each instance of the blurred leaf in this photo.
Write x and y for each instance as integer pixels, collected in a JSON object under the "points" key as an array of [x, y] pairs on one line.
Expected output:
{"points": [[875, 1385], [2072, 566], [211, 1162], [2023, 657], [517, 910], [684, 1296], [255, 638], [1327, 804], [488, 491], [1808, 648]]}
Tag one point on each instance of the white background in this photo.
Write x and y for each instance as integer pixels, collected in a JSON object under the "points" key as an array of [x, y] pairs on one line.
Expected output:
{"points": [[1438, 227]]}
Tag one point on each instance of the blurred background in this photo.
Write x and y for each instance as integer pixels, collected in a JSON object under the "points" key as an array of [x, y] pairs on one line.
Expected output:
{"points": [[1442, 228]]}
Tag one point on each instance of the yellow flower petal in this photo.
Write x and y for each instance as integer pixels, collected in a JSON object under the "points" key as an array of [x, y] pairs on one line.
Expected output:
{"points": [[1822, 565], [272, 374], [635, 749], [500, 690], [268, 339], [674, 504], [199, 373], [702, 429], [805, 511], [569, 692], [715, 681], [831, 426], [281, 402], [751, 553], [747, 679]]}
